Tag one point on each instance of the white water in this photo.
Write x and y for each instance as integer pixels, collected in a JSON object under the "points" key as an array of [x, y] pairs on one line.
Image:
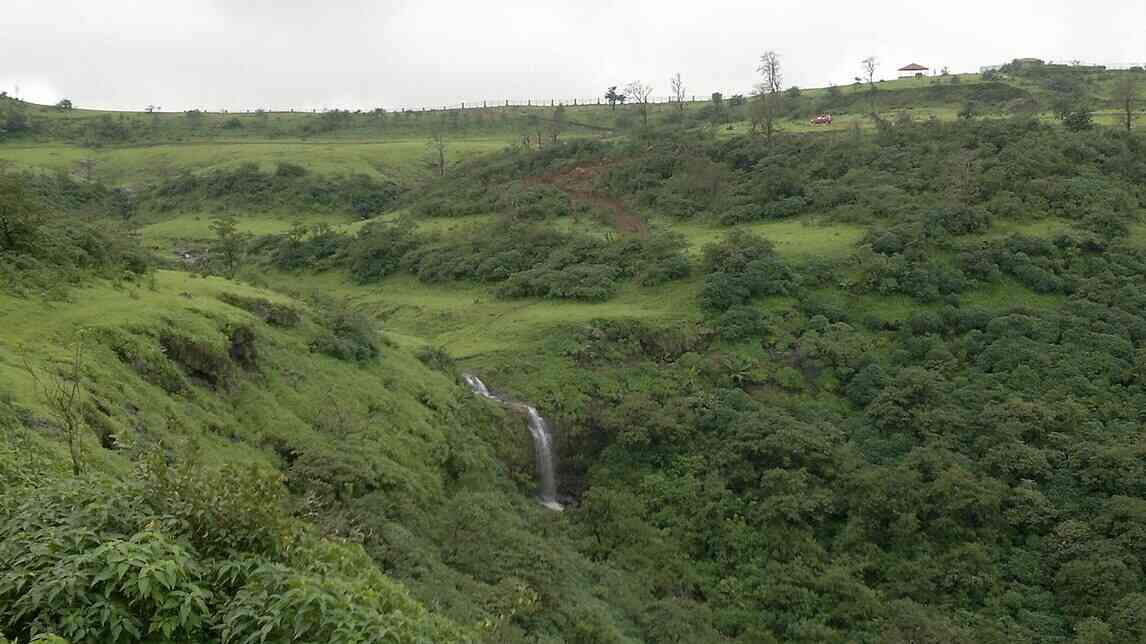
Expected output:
{"points": [[542, 442]]}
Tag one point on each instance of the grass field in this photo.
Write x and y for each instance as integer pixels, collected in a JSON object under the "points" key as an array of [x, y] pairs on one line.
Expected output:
{"points": [[467, 320], [396, 159], [195, 228], [801, 238]]}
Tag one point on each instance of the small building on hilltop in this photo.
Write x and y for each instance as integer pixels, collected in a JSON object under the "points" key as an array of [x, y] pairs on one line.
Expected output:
{"points": [[913, 70]]}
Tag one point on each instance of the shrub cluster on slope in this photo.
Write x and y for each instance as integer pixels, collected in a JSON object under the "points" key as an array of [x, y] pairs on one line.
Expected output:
{"points": [[970, 473], [248, 188], [522, 260], [43, 250], [1006, 169]]}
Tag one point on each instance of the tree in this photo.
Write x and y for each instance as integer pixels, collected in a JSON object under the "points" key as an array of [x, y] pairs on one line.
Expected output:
{"points": [[436, 149], [557, 123], [533, 127], [770, 72], [1078, 120], [870, 66], [62, 394], [768, 92], [677, 90], [639, 93], [64, 105], [122, 203], [19, 215], [1126, 94], [15, 120], [378, 115], [229, 247], [614, 97]]}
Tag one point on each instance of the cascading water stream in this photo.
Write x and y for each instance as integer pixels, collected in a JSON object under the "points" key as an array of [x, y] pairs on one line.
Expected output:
{"points": [[542, 442]]}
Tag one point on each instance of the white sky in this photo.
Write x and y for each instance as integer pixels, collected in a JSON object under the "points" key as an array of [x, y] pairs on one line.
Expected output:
{"points": [[240, 54]]}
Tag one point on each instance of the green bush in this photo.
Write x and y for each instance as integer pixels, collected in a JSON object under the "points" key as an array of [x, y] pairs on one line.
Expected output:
{"points": [[199, 358], [280, 315], [377, 251], [145, 356], [247, 188], [740, 322], [740, 267], [346, 335]]}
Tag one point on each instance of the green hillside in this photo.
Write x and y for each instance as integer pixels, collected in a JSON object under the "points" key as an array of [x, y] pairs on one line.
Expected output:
{"points": [[882, 381]]}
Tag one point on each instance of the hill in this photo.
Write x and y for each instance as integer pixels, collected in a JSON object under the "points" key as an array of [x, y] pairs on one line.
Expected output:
{"points": [[880, 383]]}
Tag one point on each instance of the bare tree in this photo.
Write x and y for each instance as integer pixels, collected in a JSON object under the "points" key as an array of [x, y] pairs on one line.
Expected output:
{"points": [[869, 66], [557, 123], [1126, 94], [768, 93], [436, 149], [639, 93], [534, 129], [770, 72], [677, 90], [62, 394]]}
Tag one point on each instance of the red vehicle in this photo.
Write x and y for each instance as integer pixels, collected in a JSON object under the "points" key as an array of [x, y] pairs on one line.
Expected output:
{"points": [[823, 119]]}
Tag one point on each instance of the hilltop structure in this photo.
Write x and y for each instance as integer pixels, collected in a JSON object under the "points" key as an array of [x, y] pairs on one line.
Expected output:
{"points": [[912, 70]]}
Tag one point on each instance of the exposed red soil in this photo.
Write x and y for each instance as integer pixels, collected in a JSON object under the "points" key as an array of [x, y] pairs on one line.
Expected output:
{"points": [[576, 182]]}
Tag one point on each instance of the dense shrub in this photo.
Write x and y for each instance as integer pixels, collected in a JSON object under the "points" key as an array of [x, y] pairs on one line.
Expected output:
{"points": [[740, 267], [534, 261], [200, 358], [275, 314], [246, 187], [43, 248], [346, 334], [740, 322], [378, 249], [188, 554]]}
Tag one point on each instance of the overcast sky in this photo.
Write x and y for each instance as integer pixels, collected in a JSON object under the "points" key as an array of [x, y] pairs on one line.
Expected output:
{"points": [[240, 54]]}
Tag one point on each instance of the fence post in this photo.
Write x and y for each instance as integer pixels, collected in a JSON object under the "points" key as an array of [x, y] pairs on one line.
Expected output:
{"points": [[529, 102], [483, 104], [574, 102]]}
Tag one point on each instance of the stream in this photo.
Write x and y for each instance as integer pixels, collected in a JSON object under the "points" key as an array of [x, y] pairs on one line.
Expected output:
{"points": [[542, 442]]}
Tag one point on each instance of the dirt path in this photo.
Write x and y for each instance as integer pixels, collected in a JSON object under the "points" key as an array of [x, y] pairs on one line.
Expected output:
{"points": [[624, 220]]}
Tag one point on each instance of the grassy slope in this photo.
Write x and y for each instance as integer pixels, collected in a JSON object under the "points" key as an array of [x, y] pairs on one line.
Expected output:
{"points": [[392, 418], [283, 398], [443, 477], [396, 159]]}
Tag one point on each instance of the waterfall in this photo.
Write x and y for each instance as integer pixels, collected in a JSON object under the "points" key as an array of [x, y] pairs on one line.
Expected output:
{"points": [[542, 442]]}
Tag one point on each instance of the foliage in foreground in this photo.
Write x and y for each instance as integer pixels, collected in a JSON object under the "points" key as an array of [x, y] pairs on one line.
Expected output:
{"points": [[180, 553]]}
